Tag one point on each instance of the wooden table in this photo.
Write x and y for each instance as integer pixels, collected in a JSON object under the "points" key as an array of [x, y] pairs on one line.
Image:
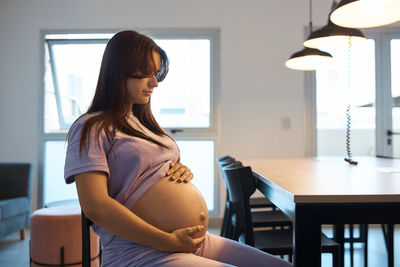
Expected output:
{"points": [[327, 190]]}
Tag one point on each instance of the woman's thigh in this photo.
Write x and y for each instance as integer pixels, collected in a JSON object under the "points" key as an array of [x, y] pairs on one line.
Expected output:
{"points": [[186, 259], [231, 252], [135, 255]]}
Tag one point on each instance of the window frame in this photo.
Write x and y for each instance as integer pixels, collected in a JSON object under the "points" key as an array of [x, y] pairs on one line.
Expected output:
{"points": [[207, 133]]}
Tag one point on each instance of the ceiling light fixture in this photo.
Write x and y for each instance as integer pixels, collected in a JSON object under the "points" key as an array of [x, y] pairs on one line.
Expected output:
{"points": [[366, 13], [308, 58], [333, 36]]}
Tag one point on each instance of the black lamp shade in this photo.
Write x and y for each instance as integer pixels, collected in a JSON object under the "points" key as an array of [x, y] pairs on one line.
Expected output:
{"points": [[308, 59], [332, 35], [366, 13]]}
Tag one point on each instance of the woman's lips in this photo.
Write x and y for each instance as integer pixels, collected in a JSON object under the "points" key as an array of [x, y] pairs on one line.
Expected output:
{"points": [[147, 93]]}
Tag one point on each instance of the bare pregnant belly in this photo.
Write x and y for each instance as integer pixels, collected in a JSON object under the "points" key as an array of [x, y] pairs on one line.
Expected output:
{"points": [[171, 205]]}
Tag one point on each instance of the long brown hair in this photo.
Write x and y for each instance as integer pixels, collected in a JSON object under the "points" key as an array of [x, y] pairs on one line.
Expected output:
{"points": [[126, 53]]}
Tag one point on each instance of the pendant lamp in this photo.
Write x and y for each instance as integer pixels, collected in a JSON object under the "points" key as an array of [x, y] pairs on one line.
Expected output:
{"points": [[366, 13], [308, 58], [333, 36]]}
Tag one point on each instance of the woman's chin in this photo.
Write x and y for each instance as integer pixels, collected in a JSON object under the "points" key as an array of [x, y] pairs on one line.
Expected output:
{"points": [[145, 100]]}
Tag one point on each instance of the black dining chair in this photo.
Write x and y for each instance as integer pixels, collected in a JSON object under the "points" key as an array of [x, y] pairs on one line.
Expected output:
{"points": [[255, 202], [261, 217], [241, 185]]}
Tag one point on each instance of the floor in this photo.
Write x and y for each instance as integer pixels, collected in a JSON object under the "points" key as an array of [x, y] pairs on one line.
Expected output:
{"points": [[15, 253]]}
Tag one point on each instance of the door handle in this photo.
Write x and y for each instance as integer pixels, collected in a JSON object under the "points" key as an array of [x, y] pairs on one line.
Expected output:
{"points": [[390, 133]]}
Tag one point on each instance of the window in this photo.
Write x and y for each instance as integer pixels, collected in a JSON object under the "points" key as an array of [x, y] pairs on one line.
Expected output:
{"points": [[189, 78], [349, 80], [373, 96], [71, 72], [182, 104]]}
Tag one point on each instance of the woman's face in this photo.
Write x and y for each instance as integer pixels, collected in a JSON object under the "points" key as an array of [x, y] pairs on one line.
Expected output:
{"points": [[140, 89]]}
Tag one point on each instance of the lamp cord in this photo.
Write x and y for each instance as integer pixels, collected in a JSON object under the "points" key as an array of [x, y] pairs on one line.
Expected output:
{"points": [[310, 12], [349, 158]]}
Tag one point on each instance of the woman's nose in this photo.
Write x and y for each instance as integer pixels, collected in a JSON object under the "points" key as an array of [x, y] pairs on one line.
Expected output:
{"points": [[153, 81]]}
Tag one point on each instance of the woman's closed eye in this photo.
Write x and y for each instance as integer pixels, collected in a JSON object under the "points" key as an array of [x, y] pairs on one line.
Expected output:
{"points": [[137, 75], [140, 75]]}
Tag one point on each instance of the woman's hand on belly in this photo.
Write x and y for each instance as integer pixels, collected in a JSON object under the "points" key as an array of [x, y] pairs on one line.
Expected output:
{"points": [[179, 172], [182, 240]]}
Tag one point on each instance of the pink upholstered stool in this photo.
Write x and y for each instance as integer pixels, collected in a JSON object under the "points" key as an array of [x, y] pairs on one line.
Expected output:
{"points": [[56, 237]]}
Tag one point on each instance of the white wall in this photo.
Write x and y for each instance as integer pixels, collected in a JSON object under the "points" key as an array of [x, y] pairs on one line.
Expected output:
{"points": [[256, 90]]}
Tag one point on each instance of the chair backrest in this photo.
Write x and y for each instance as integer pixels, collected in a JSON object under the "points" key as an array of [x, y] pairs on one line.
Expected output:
{"points": [[16, 179], [222, 163], [230, 164], [241, 185], [86, 223], [227, 157]]}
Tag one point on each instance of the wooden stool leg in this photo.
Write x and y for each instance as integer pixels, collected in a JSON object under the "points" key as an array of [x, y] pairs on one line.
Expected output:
{"points": [[22, 234]]}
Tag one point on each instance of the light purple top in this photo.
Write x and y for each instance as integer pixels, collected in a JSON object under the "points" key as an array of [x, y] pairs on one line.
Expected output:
{"points": [[133, 167]]}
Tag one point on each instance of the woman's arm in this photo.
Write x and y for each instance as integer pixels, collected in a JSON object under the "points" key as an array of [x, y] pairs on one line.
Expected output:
{"points": [[111, 215]]}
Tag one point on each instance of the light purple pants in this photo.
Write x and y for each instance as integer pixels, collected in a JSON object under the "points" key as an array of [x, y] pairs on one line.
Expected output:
{"points": [[215, 251]]}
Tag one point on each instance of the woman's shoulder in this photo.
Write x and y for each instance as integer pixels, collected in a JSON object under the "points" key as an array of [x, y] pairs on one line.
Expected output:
{"points": [[80, 122], [83, 118]]}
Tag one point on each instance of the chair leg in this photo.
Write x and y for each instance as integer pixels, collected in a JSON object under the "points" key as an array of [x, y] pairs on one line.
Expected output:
{"points": [[364, 232], [225, 222], [338, 235], [336, 258], [230, 227], [22, 234], [390, 230], [231, 231], [351, 241]]}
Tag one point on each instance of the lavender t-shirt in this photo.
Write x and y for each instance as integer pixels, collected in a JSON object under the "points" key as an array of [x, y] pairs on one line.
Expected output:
{"points": [[132, 168]]}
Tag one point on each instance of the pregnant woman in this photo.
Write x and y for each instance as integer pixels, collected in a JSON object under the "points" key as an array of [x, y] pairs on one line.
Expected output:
{"points": [[128, 175]]}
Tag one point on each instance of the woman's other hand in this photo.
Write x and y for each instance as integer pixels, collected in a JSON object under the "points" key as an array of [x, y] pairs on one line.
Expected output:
{"points": [[182, 240], [179, 173]]}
